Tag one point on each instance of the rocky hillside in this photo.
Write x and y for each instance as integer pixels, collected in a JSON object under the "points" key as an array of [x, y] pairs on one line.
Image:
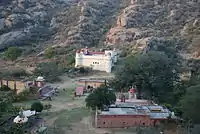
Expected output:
{"points": [[55, 22], [142, 20], [23, 22], [93, 22], [87, 22]]}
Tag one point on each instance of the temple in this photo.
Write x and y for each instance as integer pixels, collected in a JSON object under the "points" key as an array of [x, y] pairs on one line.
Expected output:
{"points": [[101, 61]]}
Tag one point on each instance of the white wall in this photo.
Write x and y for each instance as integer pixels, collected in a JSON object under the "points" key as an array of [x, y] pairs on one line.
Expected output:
{"points": [[97, 62], [113, 54]]}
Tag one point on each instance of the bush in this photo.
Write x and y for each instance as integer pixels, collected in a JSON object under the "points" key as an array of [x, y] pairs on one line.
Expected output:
{"points": [[37, 106], [70, 59], [12, 53], [5, 88], [84, 70], [49, 52], [22, 96]]}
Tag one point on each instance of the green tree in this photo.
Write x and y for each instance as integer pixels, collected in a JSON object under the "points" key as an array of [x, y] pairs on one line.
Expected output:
{"points": [[12, 53], [50, 71], [190, 104], [154, 74], [168, 46], [15, 129], [37, 106], [49, 52], [5, 88], [6, 111], [100, 97]]}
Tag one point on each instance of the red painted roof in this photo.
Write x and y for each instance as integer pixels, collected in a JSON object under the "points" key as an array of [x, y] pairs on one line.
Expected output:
{"points": [[96, 53], [132, 90], [90, 52]]}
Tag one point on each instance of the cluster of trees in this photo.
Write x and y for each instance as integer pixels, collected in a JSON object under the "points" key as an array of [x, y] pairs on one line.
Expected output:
{"points": [[12, 53], [50, 70], [100, 97], [7, 110], [156, 74]]}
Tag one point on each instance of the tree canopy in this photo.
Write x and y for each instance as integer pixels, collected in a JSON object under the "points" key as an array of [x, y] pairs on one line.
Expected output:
{"points": [[190, 104], [37, 106], [12, 53], [6, 111], [100, 97], [153, 74], [50, 70]]}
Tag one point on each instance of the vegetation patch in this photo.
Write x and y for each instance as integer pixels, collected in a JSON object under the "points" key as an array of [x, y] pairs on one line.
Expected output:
{"points": [[51, 71], [66, 118], [12, 53]]}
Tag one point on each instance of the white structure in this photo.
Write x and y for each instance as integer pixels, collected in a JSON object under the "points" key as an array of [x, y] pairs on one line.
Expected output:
{"points": [[28, 113], [23, 116], [40, 78], [20, 120], [102, 61]]}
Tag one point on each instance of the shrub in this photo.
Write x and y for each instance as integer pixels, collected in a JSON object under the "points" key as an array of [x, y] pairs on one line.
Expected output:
{"points": [[49, 52], [4, 88], [22, 96], [12, 53], [37, 106], [82, 70]]}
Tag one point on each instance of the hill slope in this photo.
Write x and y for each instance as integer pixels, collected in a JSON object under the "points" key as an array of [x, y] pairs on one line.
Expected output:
{"points": [[92, 22]]}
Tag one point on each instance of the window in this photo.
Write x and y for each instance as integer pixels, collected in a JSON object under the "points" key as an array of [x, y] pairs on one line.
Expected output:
{"points": [[104, 122], [95, 62]]}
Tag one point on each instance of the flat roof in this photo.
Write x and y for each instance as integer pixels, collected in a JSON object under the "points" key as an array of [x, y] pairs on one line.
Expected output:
{"points": [[121, 111], [159, 113]]}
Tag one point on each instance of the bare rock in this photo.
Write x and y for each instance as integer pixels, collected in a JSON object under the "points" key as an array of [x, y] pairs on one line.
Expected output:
{"points": [[196, 23], [12, 38], [17, 19], [2, 24]]}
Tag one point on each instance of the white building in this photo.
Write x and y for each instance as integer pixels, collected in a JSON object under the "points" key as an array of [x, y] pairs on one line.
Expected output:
{"points": [[102, 61]]}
